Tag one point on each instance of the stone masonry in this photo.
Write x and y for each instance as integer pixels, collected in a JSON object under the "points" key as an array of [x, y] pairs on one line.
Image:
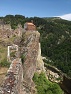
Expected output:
{"points": [[13, 79]]}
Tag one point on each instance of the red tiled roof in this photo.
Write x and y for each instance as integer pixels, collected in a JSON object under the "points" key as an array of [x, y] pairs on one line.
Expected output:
{"points": [[29, 23]]}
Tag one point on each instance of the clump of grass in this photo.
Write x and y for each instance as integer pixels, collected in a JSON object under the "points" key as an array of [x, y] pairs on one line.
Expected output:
{"points": [[4, 63], [23, 58], [3, 52], [12, 54]]}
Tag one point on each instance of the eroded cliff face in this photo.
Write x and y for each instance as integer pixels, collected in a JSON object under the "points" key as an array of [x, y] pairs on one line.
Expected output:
{"points": [[32, 61]]}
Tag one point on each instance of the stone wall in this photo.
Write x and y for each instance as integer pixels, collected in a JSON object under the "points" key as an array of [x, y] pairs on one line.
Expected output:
{"points": [[29, 26], [13, 80]]}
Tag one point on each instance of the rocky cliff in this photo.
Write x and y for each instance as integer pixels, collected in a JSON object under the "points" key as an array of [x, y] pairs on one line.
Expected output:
{"points": [[30, 48], [19, 76]]}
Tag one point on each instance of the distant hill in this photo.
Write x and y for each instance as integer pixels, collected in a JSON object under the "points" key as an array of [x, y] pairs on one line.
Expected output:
{"points": [[51, 18]]}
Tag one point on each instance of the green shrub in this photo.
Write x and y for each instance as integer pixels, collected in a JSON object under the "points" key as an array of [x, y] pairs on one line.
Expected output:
{"points": [[22, 58], [12, 54], [44, 86], [4, 63]]}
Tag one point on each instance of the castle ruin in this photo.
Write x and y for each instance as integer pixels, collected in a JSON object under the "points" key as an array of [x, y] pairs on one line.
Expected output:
{"points": [[7, 32]]}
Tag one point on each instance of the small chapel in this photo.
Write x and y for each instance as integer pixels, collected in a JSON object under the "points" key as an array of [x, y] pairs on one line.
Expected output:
{"points": [[29, 26]]}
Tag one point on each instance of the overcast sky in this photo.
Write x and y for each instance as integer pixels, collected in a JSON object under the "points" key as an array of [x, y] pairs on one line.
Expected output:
{"points": [[39, 8]]}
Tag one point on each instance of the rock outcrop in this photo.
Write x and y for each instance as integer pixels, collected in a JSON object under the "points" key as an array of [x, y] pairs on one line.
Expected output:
{"points": [[7, 32], [32, 51]]}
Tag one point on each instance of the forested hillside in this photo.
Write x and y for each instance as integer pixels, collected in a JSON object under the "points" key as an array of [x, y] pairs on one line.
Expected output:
{"points": [[55, 38], [56, 44]]}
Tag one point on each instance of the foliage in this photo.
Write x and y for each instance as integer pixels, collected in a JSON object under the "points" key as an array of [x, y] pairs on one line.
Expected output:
{"points": [[44, 86], [1, 50], [14, 20], [56, 43], [22, 58], [12, 54], [4, 63]]}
